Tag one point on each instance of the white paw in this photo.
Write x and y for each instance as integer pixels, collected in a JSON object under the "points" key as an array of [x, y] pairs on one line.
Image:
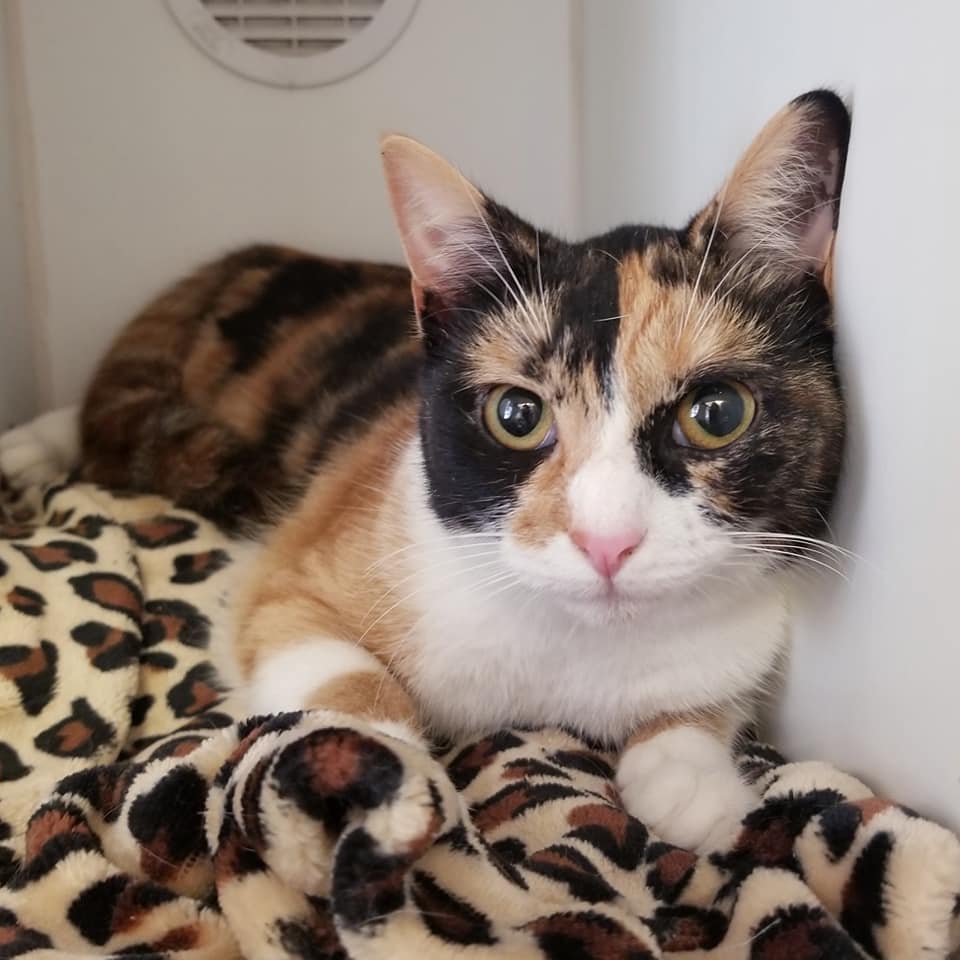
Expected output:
{"points": [[39, 451], [683, 785]]}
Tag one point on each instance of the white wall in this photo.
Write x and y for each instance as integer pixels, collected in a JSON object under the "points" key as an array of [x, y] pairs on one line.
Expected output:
{"points": [[17, 383], [673, 90], [149, 156]]}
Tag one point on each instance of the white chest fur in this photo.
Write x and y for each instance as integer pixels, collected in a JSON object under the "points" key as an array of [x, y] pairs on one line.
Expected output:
{"points": [[484, 664]]}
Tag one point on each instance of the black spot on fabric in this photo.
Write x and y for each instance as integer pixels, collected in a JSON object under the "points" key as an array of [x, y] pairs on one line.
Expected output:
{"points": [[800, 931], [57, 554], [82, 734], [863, 908], [199, 690], [529, 767], [510, 849], [175, 620], [458, 839], [161, 531], [158, 660], [328, 771], [197, 567], [168, 820], [26, 601], [838, 827], [11, 766], [16, 940], [617, 835], [567, 865], [99, 910], [585, 936], [315, 939], [139, 707], [670, 870], [584, 761], [89, 527], [471, 760], [368, 885], [447, 916], [108, 647], [33, 671], [60, 518], [683, 928]]}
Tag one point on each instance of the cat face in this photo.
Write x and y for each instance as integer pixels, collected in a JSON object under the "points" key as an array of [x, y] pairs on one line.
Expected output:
{"points": [[650, 414]]}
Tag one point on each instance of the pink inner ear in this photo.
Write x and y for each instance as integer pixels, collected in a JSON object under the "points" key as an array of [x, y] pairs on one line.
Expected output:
{"points": [[815, 241]]}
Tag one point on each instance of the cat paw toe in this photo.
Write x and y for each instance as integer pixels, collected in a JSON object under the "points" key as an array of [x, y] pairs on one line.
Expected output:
{"points": [[683, 785]]}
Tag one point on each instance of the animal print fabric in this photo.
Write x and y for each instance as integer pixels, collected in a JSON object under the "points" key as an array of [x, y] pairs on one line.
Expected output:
{"points": [[140, 816]]}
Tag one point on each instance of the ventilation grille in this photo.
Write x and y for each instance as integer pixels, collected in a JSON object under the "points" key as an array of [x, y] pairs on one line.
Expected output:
{"points": [[294, 27]]}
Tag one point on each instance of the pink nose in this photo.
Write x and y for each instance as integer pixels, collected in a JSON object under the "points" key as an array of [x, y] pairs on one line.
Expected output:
{"points": [[607, 553]]}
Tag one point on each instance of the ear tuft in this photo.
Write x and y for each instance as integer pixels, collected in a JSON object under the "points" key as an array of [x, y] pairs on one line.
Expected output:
{"points": [[779, 207]]}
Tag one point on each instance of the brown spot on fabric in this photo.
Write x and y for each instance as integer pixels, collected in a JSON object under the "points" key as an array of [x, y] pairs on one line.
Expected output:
{"points": [[110, 590], [472, 760], [197, 567], [586, 934], [57, 554], [683, 927], [871, 806], [515, 800], [197, 692], [49, 824], [181, 938], [82, 734], [162, 531], [26, 601], [18, 662]]}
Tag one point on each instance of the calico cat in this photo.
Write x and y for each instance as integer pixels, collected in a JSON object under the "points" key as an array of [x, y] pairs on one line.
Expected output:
{"points": [[561, 486]]}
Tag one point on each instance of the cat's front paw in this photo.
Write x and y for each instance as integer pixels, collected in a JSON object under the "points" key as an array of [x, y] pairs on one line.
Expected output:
{"points": [[39, 451], [683, 785]]}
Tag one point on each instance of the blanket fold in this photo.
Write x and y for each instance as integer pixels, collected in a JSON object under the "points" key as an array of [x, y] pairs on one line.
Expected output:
{"points": [[141, 814]]}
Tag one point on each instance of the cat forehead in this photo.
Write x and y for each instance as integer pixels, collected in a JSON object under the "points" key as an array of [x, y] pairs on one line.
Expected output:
{"points": [[626, 325]]}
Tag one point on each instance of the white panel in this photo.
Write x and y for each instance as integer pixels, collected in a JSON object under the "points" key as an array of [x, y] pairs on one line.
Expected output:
{"points": [[674, 89], [151, 157], [17, 381]]}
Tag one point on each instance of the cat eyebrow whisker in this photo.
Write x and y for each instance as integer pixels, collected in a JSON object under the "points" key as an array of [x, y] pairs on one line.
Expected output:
{"points": [[703, 261], [519, 294]]}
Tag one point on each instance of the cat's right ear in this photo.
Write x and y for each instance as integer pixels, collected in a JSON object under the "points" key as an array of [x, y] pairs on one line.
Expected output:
{"points": [[440, 215]]}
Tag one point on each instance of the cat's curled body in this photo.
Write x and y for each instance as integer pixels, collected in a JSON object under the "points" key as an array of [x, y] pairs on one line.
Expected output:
{"points": [[559, 486]]}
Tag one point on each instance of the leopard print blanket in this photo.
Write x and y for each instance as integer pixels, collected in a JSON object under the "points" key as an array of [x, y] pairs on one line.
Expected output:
{"points": [[141, 816]]}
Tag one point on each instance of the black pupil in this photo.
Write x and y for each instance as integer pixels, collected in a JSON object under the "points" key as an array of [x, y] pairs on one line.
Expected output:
{"points": [[519, 412], [718, 408]]}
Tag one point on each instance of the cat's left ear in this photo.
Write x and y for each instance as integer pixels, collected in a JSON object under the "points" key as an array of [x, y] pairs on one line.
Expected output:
{"points": [[440, 214], [778, 210]]}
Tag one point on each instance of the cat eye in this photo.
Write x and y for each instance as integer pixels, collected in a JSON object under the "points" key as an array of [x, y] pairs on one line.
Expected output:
{"points": [[713, 415], [518, 419]]}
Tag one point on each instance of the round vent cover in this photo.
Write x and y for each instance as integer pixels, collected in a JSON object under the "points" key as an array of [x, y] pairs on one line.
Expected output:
{"points": [[293, 43]]}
